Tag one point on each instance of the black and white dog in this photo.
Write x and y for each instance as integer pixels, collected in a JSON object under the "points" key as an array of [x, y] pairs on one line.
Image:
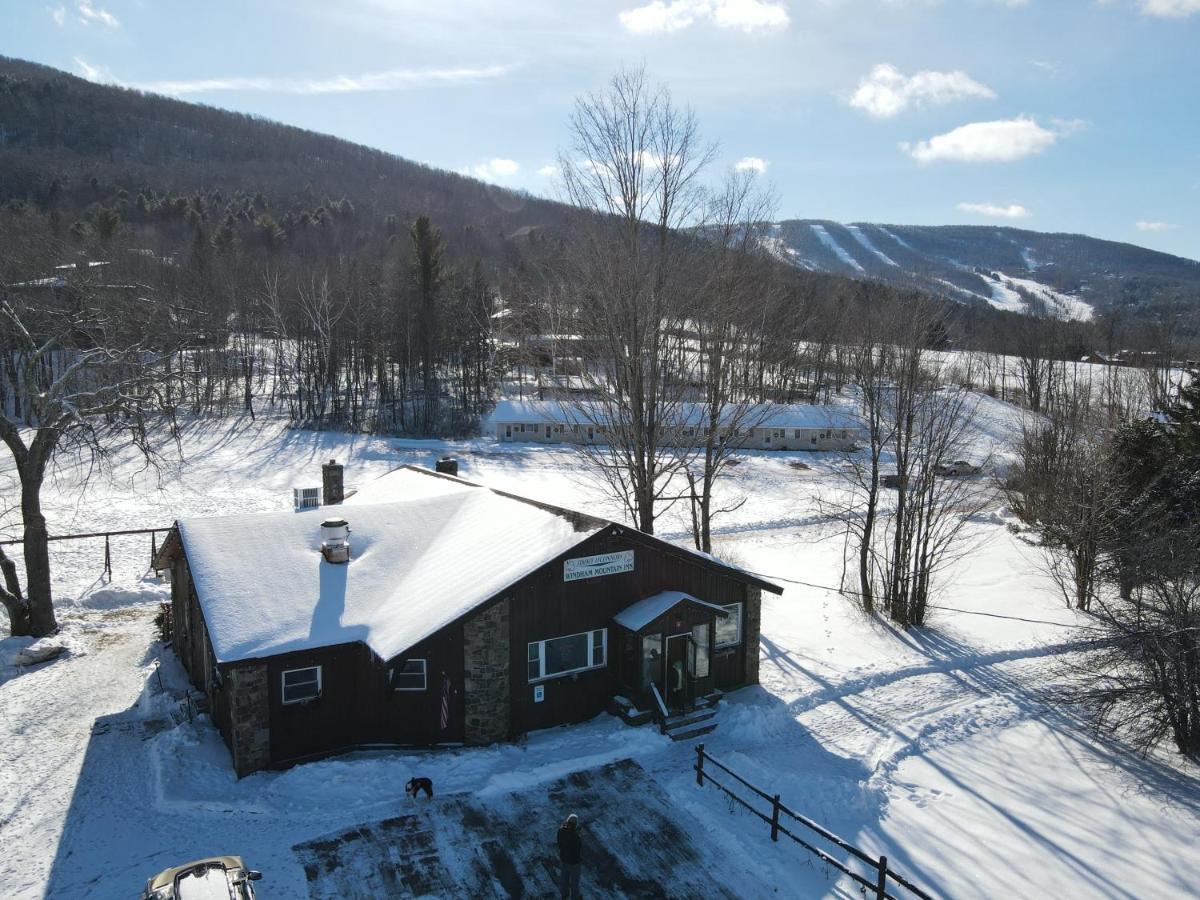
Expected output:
{"points": [[417, 785]]}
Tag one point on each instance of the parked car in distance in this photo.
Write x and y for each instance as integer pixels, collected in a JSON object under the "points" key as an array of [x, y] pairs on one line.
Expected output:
{"points": [[956, 468], [213, 878]]}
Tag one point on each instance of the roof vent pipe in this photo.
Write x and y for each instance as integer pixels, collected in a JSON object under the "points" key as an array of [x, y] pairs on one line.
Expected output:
{"points": [[335, 540]]}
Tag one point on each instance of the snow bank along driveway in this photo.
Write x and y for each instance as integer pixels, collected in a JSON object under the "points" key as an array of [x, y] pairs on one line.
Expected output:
{"points": [[931, 747]]}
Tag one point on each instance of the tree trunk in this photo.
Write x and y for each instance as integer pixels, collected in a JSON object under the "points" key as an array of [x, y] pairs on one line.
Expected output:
{"points": [[39, 602], [11, 597]]}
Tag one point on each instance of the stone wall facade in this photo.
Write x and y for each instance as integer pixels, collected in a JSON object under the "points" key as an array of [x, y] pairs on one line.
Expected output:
{"points": [[250, 715], [751, 625], [486, 700]]}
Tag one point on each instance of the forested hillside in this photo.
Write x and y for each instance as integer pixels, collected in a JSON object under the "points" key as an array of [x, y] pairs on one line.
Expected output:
{"points": [[68, 145]]}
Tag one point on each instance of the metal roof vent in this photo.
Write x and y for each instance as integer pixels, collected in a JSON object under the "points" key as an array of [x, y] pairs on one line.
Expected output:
{"points": [[335, 540]]}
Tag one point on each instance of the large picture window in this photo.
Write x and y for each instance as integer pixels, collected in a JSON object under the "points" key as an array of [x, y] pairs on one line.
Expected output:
{"points": [[409, 675], [728, 629], [301, 685], [565, 655]]}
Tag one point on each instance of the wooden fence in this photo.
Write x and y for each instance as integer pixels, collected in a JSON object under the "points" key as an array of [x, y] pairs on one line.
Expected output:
{"points": [[153, 532], [880, 878]]}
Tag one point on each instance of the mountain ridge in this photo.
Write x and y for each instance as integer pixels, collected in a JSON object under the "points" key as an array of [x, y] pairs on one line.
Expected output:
{"points": [[1067, 276]]}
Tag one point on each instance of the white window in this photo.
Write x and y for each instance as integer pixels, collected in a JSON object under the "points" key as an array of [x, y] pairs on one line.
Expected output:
{"points": [[409, 675], [728, 630], [565, 655], [301, 685], [699, 660]]}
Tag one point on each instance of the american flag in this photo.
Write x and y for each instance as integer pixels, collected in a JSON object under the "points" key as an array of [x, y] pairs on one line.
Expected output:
{"points": [[445, 702]]}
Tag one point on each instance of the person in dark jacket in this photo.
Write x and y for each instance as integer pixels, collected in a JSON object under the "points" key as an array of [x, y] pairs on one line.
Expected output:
{"points": [[570, 845]]}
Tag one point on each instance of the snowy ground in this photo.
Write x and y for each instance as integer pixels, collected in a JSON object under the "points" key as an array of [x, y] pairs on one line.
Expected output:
{"points": [[931, 747]]}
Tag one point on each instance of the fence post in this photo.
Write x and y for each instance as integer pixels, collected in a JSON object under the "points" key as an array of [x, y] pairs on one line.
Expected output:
{"points": [[700, 765], [107, 558], [153, 547], [881, 884], [775, 818]]}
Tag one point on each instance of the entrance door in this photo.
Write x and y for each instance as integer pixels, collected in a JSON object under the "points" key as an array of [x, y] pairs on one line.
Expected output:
{"points": [[678, 682], [508, 432], [652, 665]]}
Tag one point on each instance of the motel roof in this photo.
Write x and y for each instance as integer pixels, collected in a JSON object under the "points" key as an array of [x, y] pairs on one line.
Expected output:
{"points": [[763, 415]]}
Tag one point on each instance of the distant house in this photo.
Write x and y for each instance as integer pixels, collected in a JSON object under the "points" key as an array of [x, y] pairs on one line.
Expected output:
{"points": [[767, 426], [430, 610]]}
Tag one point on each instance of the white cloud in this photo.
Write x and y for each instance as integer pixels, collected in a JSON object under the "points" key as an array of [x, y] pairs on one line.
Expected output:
{"points": [[495, 168], [886, 91], [89, 14], [391, 80], [751, 164], [1005, 140], [59, 15], [548, 171], [1012, 211], [659, 17], [1154, 226], [1169, 9]]}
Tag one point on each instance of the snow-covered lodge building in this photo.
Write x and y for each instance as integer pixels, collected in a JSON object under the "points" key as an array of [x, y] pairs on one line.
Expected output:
{"points": [[427, 609], [767, 426]]}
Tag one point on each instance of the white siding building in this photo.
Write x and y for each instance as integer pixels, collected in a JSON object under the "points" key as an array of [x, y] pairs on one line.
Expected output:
{"points": [[770, 426]]}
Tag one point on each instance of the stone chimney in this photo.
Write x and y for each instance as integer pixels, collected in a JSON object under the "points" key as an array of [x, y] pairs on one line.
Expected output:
{"points": [[447, 465], [333, 491]]}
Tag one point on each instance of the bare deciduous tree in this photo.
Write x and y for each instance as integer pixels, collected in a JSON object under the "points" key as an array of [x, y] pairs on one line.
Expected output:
{"points": [[632, 175], [84, 386]]}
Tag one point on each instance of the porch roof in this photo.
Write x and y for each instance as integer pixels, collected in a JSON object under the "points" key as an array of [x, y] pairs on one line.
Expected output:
{"points": [[638, 615]]}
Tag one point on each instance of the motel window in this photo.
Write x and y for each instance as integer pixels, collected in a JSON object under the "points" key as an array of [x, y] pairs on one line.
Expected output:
{"points": [[796, 433], [566, 655], [728, 629], [301, 685], [409, 675]]}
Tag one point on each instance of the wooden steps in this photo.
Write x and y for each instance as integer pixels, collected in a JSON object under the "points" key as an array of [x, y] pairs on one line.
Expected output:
{"points": [[678, 727]]}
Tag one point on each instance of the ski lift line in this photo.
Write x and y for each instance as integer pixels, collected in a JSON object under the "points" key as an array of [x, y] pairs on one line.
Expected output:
{"points": [[967, 612]]}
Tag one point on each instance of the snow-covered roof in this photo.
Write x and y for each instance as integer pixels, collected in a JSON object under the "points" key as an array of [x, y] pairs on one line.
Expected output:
{"points": [[417, 564], [638, 615], [764, 415]]}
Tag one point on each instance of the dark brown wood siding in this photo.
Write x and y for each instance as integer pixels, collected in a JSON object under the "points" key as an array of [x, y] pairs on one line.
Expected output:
{"points": [[342, 717], [358, 706], [545, 606]]}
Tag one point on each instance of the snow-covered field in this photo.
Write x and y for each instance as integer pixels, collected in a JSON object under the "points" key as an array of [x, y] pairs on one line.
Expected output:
{"points": [[932, 747]]}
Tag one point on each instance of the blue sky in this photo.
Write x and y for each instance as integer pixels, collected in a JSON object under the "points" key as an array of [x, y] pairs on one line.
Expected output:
{"points": [[1054, 115]]}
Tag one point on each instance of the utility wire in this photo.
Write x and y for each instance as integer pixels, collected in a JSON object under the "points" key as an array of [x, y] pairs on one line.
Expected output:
{"points": [[967, 612]]}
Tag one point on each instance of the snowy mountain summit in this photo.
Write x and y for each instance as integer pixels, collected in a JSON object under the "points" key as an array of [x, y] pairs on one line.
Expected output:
{"points": [[1064, 276]]}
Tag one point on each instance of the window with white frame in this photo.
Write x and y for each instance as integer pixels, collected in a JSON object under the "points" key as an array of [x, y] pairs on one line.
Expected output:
{"points": [[566, 655], [728, 629], [409, 675], [301, 685]]}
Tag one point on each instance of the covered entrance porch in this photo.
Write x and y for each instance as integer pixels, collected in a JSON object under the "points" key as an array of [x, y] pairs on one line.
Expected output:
{"points": [[666, 648]]}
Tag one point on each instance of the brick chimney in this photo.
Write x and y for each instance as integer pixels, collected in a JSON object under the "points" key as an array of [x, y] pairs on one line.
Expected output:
{"points": [[447, 465], [333, 491]]}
